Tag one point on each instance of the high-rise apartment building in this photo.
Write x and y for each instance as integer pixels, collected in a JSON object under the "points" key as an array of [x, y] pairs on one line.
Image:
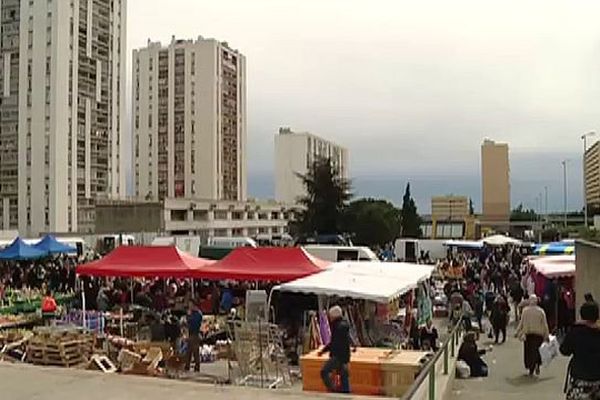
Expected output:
{"points": [[592, 178], [61, 112], [295, 152], [495, 183], [189, 111]]}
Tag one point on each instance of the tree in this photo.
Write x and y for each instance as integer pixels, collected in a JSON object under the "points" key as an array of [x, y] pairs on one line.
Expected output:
{"points": [[327, 195], [522, 214], [471, 208], [372, 222], [411, 222]]}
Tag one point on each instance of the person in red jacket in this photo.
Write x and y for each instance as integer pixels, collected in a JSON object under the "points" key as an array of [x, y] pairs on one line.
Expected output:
{"points": [[48, 308]]}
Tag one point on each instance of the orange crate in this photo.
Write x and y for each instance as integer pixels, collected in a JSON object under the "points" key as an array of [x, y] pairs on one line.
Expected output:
{"points": [[365, 371], [400, 370]]}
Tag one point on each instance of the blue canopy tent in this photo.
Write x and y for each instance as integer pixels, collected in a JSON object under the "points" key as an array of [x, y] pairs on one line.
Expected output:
{"points": [[50, 245], [554, 248], [19, 250]]}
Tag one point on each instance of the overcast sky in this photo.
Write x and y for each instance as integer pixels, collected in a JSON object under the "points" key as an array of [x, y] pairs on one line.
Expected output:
{"points": [[410, 88]]}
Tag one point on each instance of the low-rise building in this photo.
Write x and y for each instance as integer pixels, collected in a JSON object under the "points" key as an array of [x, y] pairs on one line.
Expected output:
{"points": [[204, 218]]}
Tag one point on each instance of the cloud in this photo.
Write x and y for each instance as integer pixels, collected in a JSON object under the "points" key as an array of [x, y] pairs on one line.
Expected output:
{"points": [[411, 88]]}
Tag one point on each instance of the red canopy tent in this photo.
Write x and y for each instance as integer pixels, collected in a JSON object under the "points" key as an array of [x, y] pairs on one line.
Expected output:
{"points": [[145, 261], [281, 264]]}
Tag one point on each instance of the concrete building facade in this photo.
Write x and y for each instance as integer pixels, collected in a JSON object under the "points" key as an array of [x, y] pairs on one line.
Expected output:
{"points": [[495, 183], [449, 207], [189, 121], [205, 218], [62, 111], [592, 177], [295, 152]]}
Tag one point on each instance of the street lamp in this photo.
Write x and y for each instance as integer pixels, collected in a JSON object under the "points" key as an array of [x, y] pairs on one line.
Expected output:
{"points": [[564, 164], [585, 208]]}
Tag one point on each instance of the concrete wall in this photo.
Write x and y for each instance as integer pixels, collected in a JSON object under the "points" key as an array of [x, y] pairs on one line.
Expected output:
{"points": [[587, 278], [122, 217]]}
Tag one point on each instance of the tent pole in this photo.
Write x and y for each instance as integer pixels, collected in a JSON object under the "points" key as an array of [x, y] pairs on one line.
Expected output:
{"points": [[132, 299], [193, 294], [83, 304]]}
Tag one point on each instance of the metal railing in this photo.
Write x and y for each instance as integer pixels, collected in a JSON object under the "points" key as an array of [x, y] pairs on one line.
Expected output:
{"points": [[449, 349]]}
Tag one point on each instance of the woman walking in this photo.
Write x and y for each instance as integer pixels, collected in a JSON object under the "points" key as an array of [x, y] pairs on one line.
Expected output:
{"points": [[583, 344], [533, 330]]}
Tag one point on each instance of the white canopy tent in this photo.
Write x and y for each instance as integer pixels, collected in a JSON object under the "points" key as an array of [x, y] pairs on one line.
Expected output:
{"points": [[376, 281], [554, 266], [501, 240]]}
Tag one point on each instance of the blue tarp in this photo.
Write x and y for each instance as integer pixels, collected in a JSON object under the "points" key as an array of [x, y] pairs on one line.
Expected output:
{"points": [[554, 248], [50, 245], [19, 250]]}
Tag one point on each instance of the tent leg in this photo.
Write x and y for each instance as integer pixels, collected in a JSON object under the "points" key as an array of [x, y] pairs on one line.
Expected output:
{"points": [[132, 299], [193, 291], [83, 318]]}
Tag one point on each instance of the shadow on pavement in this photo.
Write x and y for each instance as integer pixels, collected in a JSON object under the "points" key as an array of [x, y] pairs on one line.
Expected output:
{"points": [[526, 380]]}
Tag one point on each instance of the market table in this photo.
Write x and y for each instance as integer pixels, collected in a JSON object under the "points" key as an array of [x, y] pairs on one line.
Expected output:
{"points": [[373, 371]]}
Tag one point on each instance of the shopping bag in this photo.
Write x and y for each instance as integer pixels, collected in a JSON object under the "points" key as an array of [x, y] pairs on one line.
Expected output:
{"points": [[486, 326], [463, 371], [549, 350]]}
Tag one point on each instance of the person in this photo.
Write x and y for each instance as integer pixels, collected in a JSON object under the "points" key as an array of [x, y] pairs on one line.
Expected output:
{"points": [[194, 323], [102, 301], [339, 351], [589, 298], [499, 318], [429, 336], [582, 342], [49, 308], [469, 353], [226, 300], [533, 330], [517, 293], [478, 303]]}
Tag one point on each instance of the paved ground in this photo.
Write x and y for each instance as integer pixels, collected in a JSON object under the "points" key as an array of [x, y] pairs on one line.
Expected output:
{"points": [[28, 382], [508, 379]]}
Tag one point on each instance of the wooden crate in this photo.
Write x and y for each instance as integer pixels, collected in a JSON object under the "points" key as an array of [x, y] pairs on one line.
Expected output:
{"points": [[365, 371], [400, 369]]}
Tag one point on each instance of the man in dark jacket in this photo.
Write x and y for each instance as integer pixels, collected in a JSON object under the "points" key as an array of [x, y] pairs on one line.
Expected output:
{"points": [[339, 352]]}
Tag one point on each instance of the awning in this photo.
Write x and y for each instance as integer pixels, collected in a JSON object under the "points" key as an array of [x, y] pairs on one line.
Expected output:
{"points": [[376, 281], [50, 245], [19, 250], [270, 264], [501, 240], [554, 266], [145, 261], [464, 244], [566, 247]]}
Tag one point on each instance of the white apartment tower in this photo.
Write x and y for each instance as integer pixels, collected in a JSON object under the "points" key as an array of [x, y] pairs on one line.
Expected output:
{"points": [[189, 121], [295, 152], [62, 111]]}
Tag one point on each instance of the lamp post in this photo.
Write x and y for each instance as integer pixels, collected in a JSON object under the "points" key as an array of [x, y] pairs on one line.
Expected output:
{"points": [[564, 164], [585, 208]]}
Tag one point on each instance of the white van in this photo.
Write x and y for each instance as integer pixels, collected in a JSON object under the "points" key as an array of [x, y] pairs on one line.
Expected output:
{"points": [[410, 249], [187, 244], [231, 242], [341, 253]]}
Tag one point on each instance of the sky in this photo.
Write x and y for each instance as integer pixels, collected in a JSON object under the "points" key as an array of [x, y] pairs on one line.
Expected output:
{"points": [[410, 88]]}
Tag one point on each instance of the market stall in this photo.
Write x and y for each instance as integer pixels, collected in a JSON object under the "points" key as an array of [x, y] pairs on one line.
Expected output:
{"points": [[50, 245], [263, 264], [145, 262], [501, 240], [378, 282], [19, 250], [554, 279], [555, 248], [382, 302]]}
